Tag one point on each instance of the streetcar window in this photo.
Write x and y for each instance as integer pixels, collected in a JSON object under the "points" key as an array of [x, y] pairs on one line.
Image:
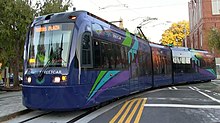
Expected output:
{"points": [[108, 55], [142, 63], [161, 62], [207, 62], [97, 28], [86, 50], [117, 57], [125, 57], [97, 54], [49, 45], [183, 65]]}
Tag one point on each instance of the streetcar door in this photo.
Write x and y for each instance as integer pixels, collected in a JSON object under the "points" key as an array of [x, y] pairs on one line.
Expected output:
{"points": [[134, 86]]}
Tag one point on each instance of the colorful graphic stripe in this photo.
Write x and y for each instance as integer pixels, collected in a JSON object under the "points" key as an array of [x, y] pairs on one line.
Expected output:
{"points": [[104, 76], [102, 81], [211, 71], [101, 74], [194, 57], [133, 50], [128, 39], [121, 78]]}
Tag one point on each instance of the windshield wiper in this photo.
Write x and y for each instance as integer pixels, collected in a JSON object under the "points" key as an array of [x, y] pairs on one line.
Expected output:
{"points": [[57, 53], [41, 74]]}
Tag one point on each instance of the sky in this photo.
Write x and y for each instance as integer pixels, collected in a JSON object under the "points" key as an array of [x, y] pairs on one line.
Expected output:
{"points": [[133, 12]]}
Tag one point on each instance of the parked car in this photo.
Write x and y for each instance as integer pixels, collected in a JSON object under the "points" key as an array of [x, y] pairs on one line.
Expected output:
{"points": [[11, 78]]}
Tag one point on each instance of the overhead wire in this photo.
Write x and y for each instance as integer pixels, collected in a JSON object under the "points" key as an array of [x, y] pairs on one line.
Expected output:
{"points": [[128, 8]]}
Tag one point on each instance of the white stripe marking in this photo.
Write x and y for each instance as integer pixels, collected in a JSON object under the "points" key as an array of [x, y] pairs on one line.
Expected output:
{"points": [[170, 88], [196, 88], [191, 88], [182, 106], [207, 91], [212, 98], [215, 83], [175, 88]]}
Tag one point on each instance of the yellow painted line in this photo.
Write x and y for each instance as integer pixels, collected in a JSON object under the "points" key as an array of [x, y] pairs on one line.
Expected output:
{"points": [[119, 113], [140, 111], [126, 112], [133, 112]]}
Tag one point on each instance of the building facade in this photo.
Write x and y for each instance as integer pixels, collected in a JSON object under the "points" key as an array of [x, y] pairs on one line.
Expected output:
{"points": [[203, 16]]}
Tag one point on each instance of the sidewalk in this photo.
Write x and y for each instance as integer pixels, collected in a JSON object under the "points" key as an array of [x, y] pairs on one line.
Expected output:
{"points": [[10, 104]]}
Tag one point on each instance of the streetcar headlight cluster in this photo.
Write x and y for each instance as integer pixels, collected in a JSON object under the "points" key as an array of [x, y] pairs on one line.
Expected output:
{"points": [[29, 79], [64, 78], [58, 79]]}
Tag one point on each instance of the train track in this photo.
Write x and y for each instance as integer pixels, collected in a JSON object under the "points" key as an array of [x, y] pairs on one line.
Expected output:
{"points": [[67, 117], [49, 116]]}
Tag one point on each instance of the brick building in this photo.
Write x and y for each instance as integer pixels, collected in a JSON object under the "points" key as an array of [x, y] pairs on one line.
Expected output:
{"points": [[203, 16]]}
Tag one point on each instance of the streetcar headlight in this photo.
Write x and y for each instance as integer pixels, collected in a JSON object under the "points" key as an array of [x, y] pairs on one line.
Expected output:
{"points": [[64, 78], [56, 80], [29, 79]]}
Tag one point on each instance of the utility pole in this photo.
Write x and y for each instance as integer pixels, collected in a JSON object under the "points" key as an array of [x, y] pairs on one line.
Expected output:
{"points": [[120, 23]]}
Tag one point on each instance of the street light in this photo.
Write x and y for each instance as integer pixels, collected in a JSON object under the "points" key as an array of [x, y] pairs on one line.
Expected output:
{"points": [[120, 23], [115, 21]]}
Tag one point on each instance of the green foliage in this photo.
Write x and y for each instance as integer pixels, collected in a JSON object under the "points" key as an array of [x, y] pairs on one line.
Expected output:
{"points": [[14, 19], [15, 16], [214, 38], [52, 6]]}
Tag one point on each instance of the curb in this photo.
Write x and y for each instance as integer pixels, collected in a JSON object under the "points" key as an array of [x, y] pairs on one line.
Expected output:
{"points": [[13, 115], [11, 89]]}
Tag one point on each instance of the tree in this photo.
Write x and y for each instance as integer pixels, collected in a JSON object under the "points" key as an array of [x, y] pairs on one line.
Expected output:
{"points": [[14, 19], [51, 6], [175, 34], [15, 16], [214, 38]]}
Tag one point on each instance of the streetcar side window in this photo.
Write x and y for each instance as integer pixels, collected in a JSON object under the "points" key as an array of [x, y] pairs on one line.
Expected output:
{"points": [[109, 56], [161, 62], [97, 54], [182, 65], [86, 50], [206, 62]]}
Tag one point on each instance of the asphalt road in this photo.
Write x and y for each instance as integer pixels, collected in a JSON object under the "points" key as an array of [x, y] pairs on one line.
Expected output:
{"points": [[194, 103]]}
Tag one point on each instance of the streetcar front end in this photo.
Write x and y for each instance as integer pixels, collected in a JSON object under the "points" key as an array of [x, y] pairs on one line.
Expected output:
{"points": [[48, 60]]}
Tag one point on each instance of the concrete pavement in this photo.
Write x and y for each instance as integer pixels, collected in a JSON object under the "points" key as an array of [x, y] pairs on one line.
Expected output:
{"points": [[10, 104]]}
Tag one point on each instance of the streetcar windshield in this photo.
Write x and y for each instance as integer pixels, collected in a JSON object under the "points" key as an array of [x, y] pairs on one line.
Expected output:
{"points": [[49, 44]]}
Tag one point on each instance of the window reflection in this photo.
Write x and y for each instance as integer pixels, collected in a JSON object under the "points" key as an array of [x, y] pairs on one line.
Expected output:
{"points": [[50, 44]]}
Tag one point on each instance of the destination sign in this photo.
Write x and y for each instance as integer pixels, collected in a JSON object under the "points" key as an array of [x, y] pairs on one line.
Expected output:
{"points": [[47, 28]]}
